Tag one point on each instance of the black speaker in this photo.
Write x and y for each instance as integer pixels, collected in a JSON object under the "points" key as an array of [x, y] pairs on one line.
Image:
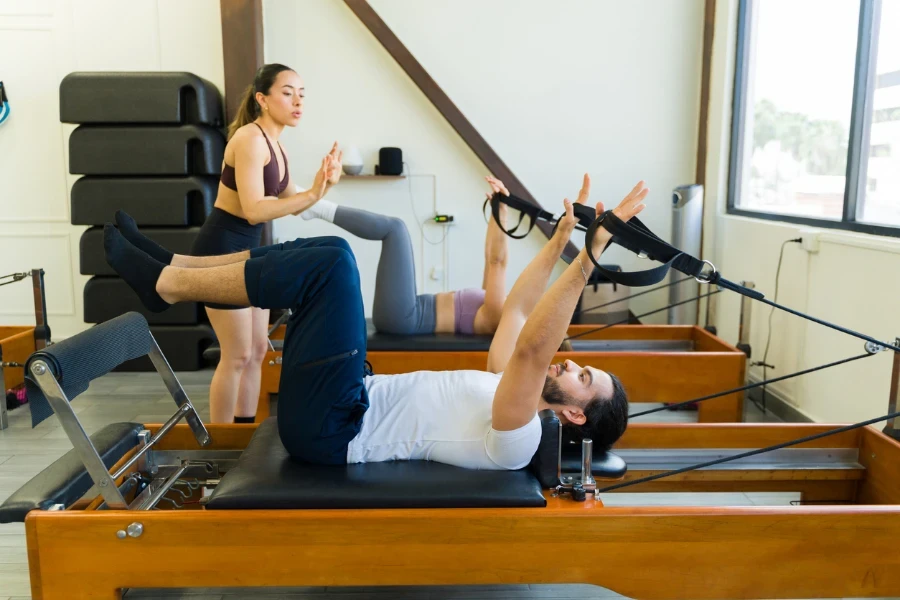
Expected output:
{"points": [[390, 162]]}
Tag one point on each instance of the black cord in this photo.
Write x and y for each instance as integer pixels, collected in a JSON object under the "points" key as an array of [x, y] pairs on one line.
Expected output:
{"points": [[719, 461], [605, 304], [749, 386], [765, 365], [646, 314], [13, 277]]}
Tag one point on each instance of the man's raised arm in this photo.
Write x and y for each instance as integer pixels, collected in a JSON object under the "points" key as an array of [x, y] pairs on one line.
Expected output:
{"points": [[519, 392], [526, 292]]}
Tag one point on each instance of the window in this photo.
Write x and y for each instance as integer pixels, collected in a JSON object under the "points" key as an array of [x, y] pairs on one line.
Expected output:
{"points": [[816, 120]]}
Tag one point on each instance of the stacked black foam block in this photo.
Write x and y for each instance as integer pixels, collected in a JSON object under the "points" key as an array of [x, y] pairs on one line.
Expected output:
{"points": [[151, 144]]}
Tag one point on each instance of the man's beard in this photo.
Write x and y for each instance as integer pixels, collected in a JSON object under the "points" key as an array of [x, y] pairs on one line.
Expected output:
{"points": [[552, 393]]}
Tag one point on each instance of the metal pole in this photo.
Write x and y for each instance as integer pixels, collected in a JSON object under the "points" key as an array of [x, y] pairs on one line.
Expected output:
{"points": [[41, 329], [744, 326]]}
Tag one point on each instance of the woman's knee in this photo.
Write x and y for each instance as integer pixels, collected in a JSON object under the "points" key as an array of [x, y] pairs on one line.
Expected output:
{"points": [[259, 349], [236, 360], [397, 225]]}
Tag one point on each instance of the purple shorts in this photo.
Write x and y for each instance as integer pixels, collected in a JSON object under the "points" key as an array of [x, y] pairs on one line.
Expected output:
{"points": [[465, 304]]}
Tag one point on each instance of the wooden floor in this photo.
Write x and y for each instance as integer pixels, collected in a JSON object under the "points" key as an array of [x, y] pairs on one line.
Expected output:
{"points": [[142, 397]]}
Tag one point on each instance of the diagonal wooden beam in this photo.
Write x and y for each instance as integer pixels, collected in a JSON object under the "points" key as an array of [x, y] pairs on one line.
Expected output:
{"points": [[364, 11]]}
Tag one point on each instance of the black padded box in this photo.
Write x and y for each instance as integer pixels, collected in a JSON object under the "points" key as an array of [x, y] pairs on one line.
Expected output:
{"points": [[139, 97], [93, 257], [106, 298], [182, 345], [151, 201], [143, 150]]}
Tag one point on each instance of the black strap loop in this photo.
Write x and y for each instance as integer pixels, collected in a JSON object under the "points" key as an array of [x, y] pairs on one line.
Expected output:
{"points": [[638, 238], [584, 214]]}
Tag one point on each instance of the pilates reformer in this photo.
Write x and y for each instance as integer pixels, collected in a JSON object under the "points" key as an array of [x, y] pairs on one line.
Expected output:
{"points": [[17, 343], [126, 508]]}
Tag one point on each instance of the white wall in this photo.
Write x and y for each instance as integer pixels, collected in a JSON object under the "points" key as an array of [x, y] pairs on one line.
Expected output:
{"points": [[41, 42], [850, 281], [557, 89]]}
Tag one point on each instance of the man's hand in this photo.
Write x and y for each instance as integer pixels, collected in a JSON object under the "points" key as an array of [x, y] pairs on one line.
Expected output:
{"points": [[630, 206], [568, 222]]}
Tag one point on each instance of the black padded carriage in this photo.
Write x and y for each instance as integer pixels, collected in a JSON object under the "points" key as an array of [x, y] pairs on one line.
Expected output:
{"points": [[434, 342], [139, 97], [136, 150], [151, 201]]}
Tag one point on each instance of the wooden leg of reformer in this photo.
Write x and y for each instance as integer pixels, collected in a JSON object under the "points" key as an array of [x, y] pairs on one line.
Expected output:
{"points": [[829, 492], [48, 583]]}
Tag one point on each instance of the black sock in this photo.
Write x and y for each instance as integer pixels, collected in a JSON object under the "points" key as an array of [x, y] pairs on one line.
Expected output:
{"points": [[129, 229], [244, 419], [137, 268]]}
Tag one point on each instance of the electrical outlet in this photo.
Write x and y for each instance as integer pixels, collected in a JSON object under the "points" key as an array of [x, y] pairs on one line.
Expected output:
{"points": [[437, 273], [810, 239]]}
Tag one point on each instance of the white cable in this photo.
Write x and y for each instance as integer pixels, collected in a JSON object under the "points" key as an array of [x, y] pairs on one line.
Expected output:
{"points": [[412, 203]]}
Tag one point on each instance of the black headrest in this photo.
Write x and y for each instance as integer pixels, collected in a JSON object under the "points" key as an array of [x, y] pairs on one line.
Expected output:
{"points": [[545, 462]]}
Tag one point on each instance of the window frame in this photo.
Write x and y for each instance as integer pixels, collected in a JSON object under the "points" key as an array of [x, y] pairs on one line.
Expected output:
{"points": [[860, 122]]}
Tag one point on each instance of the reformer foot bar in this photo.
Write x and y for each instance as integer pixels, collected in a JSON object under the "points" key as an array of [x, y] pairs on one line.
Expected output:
{"points": [[126, 508]]}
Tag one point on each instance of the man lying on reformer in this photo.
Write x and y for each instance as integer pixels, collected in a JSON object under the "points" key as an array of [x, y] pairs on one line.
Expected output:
{"points": [[333, 410]]}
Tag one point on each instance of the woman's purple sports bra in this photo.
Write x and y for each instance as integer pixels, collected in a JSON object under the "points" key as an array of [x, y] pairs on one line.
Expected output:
{"points": [[270, 173]]}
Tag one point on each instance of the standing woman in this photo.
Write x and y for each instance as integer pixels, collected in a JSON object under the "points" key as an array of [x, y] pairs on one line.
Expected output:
{"points": [[255, 188]]}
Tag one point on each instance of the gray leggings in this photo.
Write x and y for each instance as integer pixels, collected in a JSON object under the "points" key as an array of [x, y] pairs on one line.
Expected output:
{"points": [[398, 307]]}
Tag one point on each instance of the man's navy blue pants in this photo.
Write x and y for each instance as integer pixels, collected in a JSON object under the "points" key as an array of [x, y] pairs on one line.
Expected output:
{"points": [[321, 397]]}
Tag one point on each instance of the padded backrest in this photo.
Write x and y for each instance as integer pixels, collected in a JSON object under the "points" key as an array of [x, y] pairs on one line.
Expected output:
{"points": [[545, 462], [139, 97], [78, 360]]}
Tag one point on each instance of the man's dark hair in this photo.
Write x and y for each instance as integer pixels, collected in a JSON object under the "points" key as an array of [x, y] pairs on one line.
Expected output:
{"points": [[606, 419]]}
